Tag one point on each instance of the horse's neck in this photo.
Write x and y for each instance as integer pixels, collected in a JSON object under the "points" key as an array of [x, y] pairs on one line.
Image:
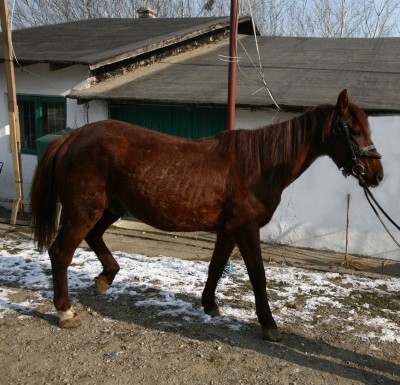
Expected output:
{"points": [[304, 151]]}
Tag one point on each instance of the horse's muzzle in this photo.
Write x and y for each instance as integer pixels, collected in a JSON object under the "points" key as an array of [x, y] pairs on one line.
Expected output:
{"points": [[370, 182]]}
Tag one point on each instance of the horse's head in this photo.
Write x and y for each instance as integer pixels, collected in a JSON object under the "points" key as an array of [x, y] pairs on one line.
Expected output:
{"points": [[350, 145]]}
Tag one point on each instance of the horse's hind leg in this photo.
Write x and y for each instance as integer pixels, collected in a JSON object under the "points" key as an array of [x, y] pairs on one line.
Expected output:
{"points": [[61, 253], [222, 250], [95, 241]]}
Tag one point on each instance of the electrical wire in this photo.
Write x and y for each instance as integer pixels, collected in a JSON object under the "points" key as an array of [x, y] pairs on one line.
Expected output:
{"points": [[259, 68]]}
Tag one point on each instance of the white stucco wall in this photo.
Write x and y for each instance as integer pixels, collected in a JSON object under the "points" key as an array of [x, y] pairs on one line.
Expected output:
{"points": [[313, 209], [312, 212], [38, 80]]}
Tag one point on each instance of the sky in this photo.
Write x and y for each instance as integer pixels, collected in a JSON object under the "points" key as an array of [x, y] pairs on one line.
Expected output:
{"points": [[177, 285]]}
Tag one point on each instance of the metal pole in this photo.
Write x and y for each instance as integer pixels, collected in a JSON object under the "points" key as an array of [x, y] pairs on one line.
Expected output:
{"points": [[232, 65], [229, 270], [12, 106], [347, 229]]}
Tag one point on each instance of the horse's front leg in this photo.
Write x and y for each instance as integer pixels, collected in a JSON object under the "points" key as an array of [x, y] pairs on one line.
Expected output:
{"points": [[222, 250], [248, 240]]}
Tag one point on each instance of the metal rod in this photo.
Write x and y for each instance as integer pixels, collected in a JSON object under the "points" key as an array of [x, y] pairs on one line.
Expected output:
{"points": [[232, 65], [232, 81], [347, 228]]}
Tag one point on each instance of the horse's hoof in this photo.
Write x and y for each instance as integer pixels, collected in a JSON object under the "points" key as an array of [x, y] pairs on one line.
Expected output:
{"points": [[101, 285], [69, 319], [214, 313], [272, 335]]}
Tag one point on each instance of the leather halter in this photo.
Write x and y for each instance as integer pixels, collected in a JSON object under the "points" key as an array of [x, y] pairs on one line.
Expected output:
{"points": [[353, 166], [341, 131]]}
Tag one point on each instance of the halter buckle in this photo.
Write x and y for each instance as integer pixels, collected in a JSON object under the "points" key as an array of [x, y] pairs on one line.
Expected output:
{"points": [[358, 170]]}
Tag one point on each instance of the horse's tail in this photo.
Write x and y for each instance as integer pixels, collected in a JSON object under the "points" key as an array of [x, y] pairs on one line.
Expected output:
{"points": [[44, 194]]}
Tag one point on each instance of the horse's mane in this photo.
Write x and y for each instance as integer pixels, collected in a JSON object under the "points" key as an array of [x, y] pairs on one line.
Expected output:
{"points": [[277, 144]]}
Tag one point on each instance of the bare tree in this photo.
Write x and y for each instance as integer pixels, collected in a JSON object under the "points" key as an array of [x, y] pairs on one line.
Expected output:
{"points": [[299, 20], [327, 18], [377, 18], [274, 17], [38, 12], [334, 18]]}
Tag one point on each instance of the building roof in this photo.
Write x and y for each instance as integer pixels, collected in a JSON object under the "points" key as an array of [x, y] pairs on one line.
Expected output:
{"points": [[300, 72], [98, 42]]}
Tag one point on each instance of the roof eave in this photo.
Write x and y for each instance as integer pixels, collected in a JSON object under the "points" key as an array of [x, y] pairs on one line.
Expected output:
{"points": [[166, 43], [77, 95]]}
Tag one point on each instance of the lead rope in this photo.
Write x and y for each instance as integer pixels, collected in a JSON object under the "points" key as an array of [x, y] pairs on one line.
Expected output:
{"points": [[368, 194]]}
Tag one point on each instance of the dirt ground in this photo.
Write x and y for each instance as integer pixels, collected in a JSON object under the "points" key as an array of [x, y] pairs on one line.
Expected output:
{"points": [[117, 344]]}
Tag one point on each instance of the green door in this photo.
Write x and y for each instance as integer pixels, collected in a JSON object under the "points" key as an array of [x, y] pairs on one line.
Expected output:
{"points": [[192, 123]]}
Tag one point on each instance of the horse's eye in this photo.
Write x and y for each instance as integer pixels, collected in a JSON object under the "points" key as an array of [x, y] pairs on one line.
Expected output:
{"points": [[355, 132]]}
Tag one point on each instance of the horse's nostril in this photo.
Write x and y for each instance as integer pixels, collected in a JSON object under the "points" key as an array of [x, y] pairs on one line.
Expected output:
{"points": [[379, 178]]}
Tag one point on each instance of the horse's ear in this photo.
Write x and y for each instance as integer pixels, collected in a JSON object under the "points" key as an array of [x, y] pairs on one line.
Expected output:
{"points": [[343, 103]]}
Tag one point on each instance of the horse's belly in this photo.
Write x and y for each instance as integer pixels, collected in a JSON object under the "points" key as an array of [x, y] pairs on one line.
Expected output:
{"points": [[177, 208], [177, 195], [177, 215]]}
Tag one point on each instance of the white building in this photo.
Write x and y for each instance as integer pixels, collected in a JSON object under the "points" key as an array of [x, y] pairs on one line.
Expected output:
{"points": [[155, 71]]}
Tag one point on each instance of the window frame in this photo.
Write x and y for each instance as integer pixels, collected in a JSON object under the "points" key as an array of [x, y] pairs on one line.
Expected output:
{"points": [[38, 114]]}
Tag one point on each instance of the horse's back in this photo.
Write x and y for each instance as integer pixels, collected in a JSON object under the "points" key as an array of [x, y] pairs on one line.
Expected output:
{"points": [[116, 139]]}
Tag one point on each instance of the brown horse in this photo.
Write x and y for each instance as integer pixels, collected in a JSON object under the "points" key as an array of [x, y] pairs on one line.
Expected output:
{"points": [[230, 183]]}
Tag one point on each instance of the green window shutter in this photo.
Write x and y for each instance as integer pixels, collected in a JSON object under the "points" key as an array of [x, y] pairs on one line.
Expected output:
{"points": [[192, 123]]}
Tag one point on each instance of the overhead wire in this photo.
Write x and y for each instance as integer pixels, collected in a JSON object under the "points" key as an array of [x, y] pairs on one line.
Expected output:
{"points": [[46, 80], [259, 68]]}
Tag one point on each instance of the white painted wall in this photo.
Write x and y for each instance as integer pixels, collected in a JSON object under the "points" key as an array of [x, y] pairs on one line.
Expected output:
{"points": [[313, 209], [38, 80], [312, 212]]}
